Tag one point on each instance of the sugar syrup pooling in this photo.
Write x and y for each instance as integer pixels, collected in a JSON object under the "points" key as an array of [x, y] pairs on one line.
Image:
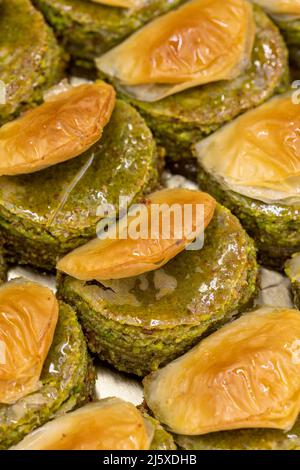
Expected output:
{"points": [[117, 258], [158, 60]]}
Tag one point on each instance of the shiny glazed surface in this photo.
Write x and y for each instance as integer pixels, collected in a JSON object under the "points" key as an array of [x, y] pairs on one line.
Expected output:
{"points": [[222, 35], [62, 200], [108, 424], [149, 237], [195, 286], [245, 375], [28, 317], [58, 130]]}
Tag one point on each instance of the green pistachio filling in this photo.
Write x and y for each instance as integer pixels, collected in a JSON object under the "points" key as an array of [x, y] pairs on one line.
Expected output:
{"points": [[44, 215], [141, 323], [30, 59], [180, 120], [67, 381]]}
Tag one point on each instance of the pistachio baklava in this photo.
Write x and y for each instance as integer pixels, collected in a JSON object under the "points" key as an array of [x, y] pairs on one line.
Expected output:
{"points": [[144, 301], [197, 67], [30, 58], [109, 424], [238, 389], [63, 163], [88, 28], [286, 14], [45, 369], [252, 166]]}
